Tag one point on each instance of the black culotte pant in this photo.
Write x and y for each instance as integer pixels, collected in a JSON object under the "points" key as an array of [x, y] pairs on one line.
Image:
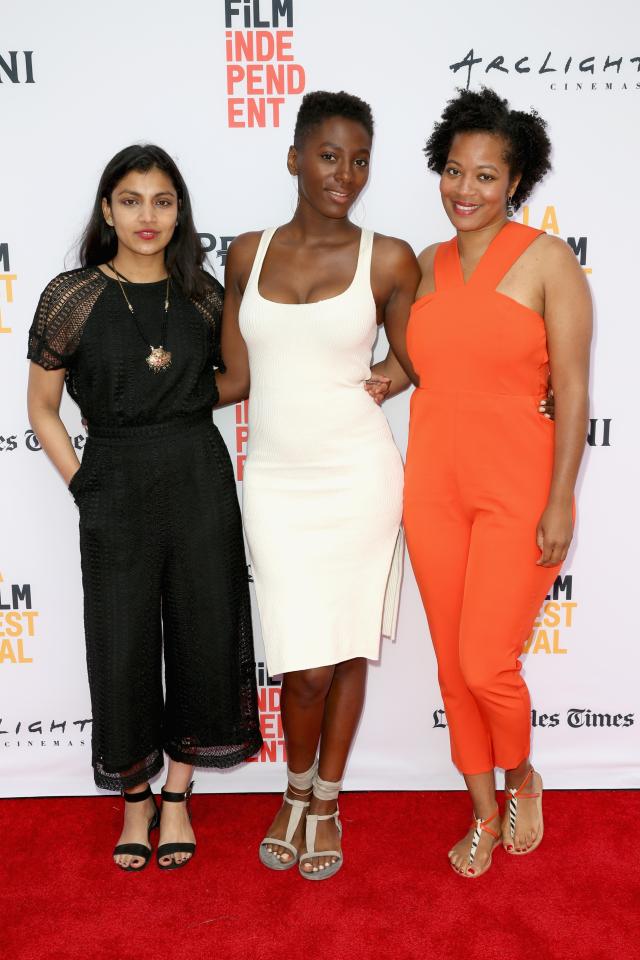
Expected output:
{"points": [[164, 571]]}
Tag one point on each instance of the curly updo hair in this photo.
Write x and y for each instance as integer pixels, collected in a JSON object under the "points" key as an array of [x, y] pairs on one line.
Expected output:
{"points": [[319, 105], [527, 146]]}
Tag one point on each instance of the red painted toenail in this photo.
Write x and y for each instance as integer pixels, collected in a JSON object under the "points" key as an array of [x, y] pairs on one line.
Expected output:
{"points": [[510, 847], [471, 870]]}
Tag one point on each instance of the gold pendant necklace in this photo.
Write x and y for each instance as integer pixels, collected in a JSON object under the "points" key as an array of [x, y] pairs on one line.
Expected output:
{"points": [[159, 359]]}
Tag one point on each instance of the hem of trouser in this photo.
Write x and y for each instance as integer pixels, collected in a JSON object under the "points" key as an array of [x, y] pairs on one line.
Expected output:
{"points": [[116, 783], [510, 765], [490, 766], [474, 773], [243, 752]]}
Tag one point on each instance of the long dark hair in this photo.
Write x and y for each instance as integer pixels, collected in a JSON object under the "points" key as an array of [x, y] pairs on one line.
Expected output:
{"points": [[184, 255]]}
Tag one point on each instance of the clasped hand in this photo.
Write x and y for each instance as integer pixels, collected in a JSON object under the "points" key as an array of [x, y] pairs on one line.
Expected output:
{"points": [[378, 387]]}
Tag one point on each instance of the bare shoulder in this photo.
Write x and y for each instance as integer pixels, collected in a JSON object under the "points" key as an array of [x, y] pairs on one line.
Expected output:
{"points": [[393, 251], [427, 256], [554, 253], [394, 264], [558, 268], [243, 248], [240, 257]]}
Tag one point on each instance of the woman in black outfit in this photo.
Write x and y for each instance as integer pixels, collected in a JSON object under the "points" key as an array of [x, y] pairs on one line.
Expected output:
{"points": [[134, 333]]}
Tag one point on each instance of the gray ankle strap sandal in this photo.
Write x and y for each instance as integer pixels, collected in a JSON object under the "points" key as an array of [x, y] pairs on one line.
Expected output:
{"points": [[270, 859], [327, 870], [322, 790], [300, 782]]}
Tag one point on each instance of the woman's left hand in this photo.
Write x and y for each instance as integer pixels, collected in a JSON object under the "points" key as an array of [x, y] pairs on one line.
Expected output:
{"points": [[547, 406], [378, 387], [554, 534]]}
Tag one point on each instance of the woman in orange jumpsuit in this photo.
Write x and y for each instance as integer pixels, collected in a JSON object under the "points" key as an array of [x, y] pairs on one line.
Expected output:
{"points": [[489, 482]]}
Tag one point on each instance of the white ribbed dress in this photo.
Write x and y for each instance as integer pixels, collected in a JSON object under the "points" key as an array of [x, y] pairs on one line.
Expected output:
{"points": [[322, 491]]}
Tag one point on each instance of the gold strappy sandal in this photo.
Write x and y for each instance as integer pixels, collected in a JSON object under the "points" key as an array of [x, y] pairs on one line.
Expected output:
{"points": [[511, 814], [480, 826]]}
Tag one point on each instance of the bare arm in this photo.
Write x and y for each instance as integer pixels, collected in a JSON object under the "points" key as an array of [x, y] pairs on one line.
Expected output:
{"points": [[568, 322], [43, 401], [395, 277], [406, 273], [391, 370], [233, 384], [415, 279]]}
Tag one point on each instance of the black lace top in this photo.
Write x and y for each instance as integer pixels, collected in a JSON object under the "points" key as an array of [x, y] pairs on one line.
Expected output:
{"points": [[84, 325]]}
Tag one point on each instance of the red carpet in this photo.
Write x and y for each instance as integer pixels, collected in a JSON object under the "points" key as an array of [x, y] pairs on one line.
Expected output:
{"points": [[576, 898]]}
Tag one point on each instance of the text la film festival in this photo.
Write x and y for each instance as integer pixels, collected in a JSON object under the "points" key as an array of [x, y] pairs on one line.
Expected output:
{"points": [[234, 72]]}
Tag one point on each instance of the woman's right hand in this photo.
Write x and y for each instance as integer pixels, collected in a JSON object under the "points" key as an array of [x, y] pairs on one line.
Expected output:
{"points": [[44, 394]]}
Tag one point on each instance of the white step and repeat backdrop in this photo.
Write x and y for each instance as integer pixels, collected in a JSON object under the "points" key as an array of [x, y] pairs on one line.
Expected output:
{"points": [[218, 83]]}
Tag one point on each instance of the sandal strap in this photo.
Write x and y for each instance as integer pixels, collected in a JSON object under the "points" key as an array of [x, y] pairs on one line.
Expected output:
{"points": [[481, 826], [279, 842], [301, 796], [294, 802], [517, 792], [134, 849], [321, 853], [137, 797], [302, 782], [295, 816], [492, 833], [167, 848], [312, 827], [326, 789], [176, 797]]}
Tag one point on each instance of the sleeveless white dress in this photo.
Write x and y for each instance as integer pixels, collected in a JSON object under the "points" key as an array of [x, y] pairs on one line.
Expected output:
{"points": [[322, 490]]}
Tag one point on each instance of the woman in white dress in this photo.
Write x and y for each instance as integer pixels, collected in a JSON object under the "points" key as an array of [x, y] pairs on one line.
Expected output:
{"points": [[323, 478]]}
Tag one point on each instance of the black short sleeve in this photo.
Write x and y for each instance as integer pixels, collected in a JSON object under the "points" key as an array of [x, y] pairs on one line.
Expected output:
{"points": [[210, 306], [62, 312]]}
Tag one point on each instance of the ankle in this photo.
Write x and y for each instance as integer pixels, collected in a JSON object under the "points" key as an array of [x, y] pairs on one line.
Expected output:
{"points": [[514, 778], [486, 811], [138, 809], [294, 793], [132, 794], [323, 807]]}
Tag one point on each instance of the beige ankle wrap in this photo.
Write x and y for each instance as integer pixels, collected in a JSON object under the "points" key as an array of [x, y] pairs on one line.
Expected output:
{"points": [[326, 789], [302, 781]]}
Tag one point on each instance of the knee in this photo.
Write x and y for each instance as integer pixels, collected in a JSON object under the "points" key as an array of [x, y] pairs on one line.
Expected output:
{"points": [[309, 686], [350, 669], [480, 675]]}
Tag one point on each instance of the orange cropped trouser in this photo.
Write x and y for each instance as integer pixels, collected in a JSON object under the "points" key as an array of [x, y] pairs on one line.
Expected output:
{"points": [[479, 464], [481, 589]]}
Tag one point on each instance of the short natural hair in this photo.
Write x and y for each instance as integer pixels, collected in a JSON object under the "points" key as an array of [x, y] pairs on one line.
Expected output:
{"points": [[528, 147], [319, 105]]}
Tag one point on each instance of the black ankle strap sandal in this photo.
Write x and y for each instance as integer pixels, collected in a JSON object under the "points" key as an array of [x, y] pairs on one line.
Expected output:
{"points": [[167, 849], [138, 849]]}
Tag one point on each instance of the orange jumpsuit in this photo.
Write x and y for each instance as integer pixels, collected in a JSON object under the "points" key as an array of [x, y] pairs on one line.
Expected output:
{"points": [[477, 478]]}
